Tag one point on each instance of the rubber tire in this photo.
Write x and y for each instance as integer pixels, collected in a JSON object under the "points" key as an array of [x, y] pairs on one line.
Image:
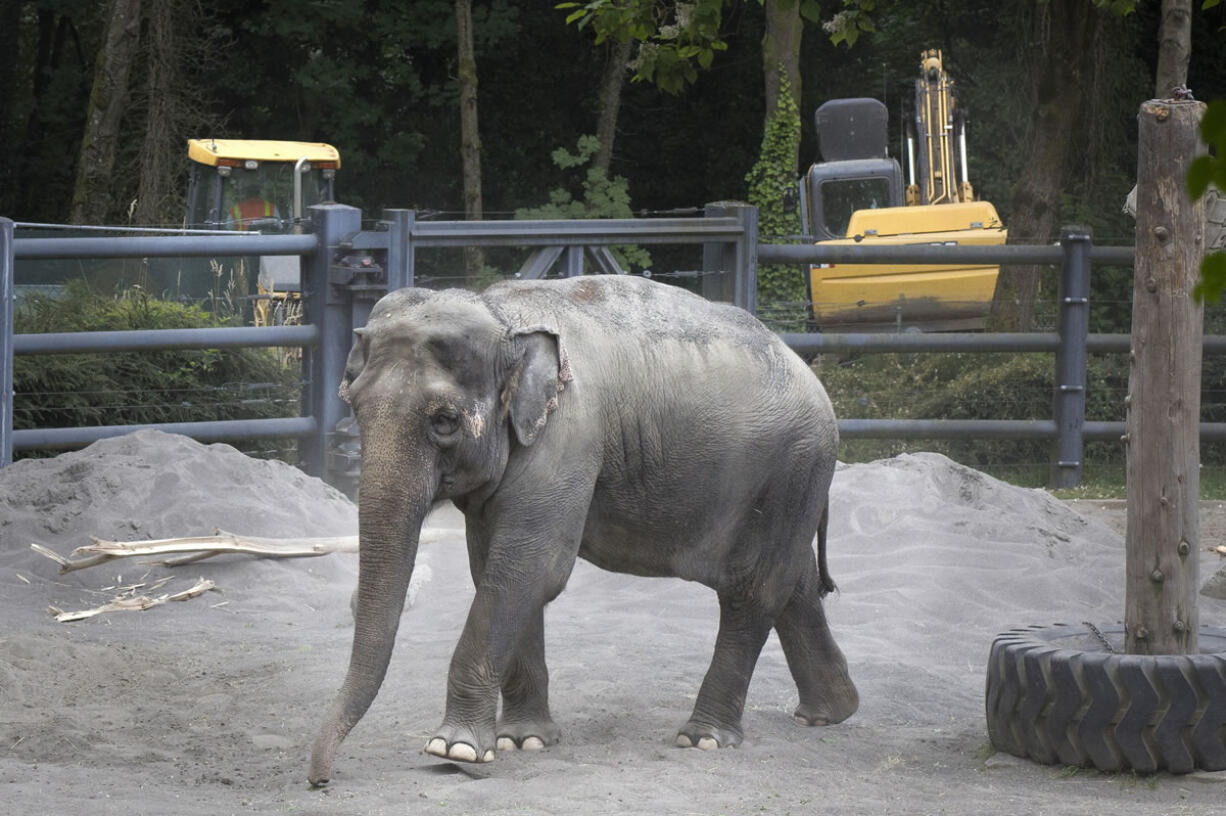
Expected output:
{"points": [[1056, 695]]}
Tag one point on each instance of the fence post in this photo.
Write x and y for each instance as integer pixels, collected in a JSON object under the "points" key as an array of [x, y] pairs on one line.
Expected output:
{"points": [[1069, 408], [327, 307], [401, 254], [7, 295], [739, 257]]}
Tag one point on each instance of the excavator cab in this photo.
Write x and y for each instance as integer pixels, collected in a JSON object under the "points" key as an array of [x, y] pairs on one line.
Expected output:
{"points": [[249, 184], [855, 172]]}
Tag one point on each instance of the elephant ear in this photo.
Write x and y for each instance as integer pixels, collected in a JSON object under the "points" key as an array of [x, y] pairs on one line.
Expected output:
{"points": [[355, 363], [539, 372]]}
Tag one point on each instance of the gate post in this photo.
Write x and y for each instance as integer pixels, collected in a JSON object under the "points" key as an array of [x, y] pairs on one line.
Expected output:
{"points": [[401, 254], [326, 307], [740, 257], [1073, 327], [7, 295]]}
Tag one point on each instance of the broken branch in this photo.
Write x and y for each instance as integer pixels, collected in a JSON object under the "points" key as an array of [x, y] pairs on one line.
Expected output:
{"points": [[137, 604]]}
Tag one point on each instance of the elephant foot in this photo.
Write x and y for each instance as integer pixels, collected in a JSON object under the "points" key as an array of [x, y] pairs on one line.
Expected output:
{"points": [[706, 737], [528, 736], [460, 745], [828, 712]]}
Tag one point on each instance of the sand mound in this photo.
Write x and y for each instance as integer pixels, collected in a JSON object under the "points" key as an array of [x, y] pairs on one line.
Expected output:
{"points": [[151, 484]]}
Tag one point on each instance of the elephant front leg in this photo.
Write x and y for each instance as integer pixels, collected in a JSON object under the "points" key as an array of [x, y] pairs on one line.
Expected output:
{"points": [[467, 732], [501, 649], [526, 722], [716, 721]]}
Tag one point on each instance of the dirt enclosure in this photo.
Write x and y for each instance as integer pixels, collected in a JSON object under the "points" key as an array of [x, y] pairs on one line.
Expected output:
{"points": [[209, 706]]}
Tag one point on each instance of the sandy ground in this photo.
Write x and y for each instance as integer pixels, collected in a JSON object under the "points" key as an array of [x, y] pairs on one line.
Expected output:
{"points": [[210, 706]]}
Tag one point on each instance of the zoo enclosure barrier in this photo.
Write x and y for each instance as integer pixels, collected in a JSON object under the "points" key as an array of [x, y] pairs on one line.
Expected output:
{"points": [[345, 269]]}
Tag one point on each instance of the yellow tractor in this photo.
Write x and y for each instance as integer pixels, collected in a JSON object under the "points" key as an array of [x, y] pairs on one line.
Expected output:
{"points": [[254, 184], [857, 195]]}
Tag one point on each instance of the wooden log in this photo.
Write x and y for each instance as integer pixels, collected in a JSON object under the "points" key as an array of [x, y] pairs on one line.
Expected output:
{"points": [[1163, 402], [198, 548]]}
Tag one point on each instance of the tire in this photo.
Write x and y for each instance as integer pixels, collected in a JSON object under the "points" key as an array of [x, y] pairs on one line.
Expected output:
{"points": [[1057, 695]]}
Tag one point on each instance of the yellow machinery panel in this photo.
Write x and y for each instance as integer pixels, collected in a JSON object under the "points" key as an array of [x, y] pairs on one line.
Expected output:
{"points": [[931, 295], [214, 152]]}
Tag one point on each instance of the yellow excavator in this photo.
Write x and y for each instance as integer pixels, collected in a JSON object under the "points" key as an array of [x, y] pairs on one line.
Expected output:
{"points": [[856, 194], [264, 185]]}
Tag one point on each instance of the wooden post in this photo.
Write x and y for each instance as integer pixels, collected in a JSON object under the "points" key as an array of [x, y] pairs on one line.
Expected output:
{"points": [[1164, 388]]}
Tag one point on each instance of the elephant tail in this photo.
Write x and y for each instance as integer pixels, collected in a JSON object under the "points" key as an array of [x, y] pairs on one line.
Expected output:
{"points": [[825, 582]]}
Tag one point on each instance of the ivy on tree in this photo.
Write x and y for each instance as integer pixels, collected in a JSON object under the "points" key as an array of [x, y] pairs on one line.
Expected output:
{"points": [[1205, 171]]}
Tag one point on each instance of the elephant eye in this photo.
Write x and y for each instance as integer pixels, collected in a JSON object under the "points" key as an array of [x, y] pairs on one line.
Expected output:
{"points": [[445, 423]]}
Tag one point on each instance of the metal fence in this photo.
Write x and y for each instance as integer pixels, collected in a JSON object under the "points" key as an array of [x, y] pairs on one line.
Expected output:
{"points": [[345, 269]]}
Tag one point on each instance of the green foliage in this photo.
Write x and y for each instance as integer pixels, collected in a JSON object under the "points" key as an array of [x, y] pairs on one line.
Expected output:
{"points": [[772, 180], [854, 19], [675, 39], [1205, 171], [125, 388], [600, 197]]}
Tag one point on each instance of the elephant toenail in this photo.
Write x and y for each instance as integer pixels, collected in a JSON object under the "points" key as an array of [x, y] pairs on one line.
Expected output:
{"points": [[708, 744], [463, 752], [437, 746], [684, 742], [489, 755], [533, 744], [506, 744]]}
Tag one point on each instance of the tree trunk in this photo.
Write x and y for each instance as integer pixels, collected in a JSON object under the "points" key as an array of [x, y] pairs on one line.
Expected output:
{"points": [[1164, 389], [1174, 47], [1069, 30], [160, 149], [470, 136], [10, 27], [610, 102], [781, 53], [91, 198]]}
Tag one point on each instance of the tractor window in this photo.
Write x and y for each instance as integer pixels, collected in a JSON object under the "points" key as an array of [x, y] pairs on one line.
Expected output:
{"points": [[842, 197], [263, 198]]}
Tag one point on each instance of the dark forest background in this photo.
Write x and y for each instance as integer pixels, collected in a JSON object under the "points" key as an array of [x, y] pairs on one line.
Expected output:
{"points": [[379, 80]]}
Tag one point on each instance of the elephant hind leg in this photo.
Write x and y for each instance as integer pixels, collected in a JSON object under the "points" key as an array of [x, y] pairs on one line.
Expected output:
{"points": [[743, 628], [827, 693], [525, 721]]}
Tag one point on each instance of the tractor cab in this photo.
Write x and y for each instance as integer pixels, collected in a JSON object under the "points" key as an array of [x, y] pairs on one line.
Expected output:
{"points": [[248, 184], [260, 186]]}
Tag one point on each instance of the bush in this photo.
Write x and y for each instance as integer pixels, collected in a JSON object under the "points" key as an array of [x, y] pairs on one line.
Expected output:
{"points": [[126, 388]]}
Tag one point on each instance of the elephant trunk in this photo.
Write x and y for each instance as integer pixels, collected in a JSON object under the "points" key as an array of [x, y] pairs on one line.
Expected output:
{"points": [[393, 502]]}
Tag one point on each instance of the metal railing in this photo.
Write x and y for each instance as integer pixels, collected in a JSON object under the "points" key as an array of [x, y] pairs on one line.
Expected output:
{"points": [[337, 293], [143, 246], [346, 269]]}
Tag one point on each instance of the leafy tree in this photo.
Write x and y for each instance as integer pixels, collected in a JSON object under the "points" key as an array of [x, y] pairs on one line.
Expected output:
{"points": [[600, 197], [675, 40]]}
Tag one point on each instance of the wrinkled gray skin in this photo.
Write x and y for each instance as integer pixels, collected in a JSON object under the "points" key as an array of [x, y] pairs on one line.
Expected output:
{"points": [[627, 422]]}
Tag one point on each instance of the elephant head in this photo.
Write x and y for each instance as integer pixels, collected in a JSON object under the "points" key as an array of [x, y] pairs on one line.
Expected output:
{"points": [[442, 388]]}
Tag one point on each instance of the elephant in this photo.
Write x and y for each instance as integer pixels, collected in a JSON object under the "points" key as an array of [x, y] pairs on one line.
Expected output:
{"points": [[629, 422]]}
